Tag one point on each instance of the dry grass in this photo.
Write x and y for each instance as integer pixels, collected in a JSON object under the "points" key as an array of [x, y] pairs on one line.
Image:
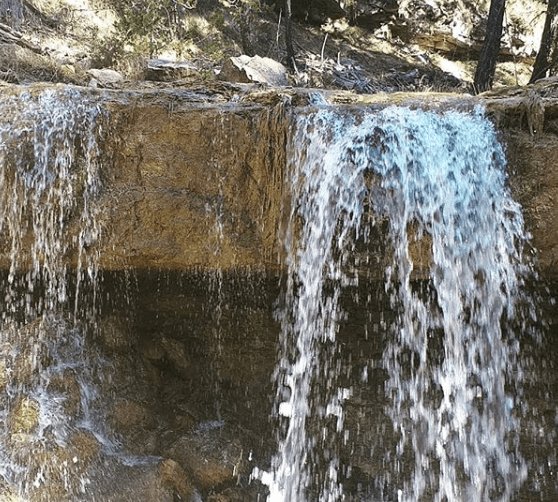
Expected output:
{"points": [[22, 66]]}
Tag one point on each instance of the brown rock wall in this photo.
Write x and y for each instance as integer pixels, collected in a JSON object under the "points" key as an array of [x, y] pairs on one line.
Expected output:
{"points": [[533, 165], [199, 186], [194, 180]]}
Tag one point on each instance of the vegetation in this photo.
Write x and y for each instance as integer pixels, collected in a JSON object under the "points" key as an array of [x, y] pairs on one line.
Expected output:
{"points": [[486, 67], [390, 45]]}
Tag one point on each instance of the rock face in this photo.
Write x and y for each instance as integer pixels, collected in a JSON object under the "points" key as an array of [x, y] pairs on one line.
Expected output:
{"points": [[536, 186], [193, 184], [193, 178]]}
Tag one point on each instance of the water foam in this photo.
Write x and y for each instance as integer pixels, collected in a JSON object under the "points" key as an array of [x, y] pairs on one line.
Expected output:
{"points": [[437, 178]]}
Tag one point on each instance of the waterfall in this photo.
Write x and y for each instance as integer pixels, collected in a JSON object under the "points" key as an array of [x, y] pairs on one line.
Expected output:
{"points": [[437, 179], [325, 192], [49, 182], [405, 385], [50, 171]]}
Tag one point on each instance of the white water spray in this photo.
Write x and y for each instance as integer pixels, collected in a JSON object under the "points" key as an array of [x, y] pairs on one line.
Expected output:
{"points": [[328, 199], [49, 182], [449, 363]]}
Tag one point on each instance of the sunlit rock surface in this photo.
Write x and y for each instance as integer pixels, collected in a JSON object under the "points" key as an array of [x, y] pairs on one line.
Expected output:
{"points": [[193, 183], [193, 177]]}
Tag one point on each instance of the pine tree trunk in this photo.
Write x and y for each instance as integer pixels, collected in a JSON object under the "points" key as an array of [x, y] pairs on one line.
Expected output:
{"points": [[486, 67], [289, 36], [548, 51]]}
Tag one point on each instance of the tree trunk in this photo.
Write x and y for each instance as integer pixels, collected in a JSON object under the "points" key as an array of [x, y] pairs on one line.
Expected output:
{"points": [[486, 67], [289, 36], [548, 51]]}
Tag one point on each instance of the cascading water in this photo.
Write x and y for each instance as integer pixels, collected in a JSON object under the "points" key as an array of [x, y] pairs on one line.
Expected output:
{"points": [[435, 178], [452, 409], [49, 179], [325, 192], [118, 385]]}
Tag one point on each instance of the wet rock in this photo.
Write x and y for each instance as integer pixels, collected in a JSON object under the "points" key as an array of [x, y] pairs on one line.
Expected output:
{"points": [[4, 376], [66, 384], [184, 421], [254, 341], [64, 477], [24, 417], [213, 455], [60, 470], [115, 335], [127, 415], [171, 474], [28, 363], [85, 445], [7, 492], [161, 213], [246, 69], [420, 251], [176, 354], [234, 494], [535, 186], [158, 212], [31, 355], [115, 479]]}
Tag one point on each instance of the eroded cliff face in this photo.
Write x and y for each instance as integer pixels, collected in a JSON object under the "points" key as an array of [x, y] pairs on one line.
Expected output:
{"points": [[194, 178], [193, 184]]}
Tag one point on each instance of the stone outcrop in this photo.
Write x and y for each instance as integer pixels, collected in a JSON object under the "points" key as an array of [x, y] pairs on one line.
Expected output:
{"points": [[104, 77], [246, 69]]}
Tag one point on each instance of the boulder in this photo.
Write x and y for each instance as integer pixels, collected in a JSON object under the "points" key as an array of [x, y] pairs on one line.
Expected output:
{"points": [[164, 70], [174, 476], [105, 77], [213, 454], [246, 69], [60, 469]]}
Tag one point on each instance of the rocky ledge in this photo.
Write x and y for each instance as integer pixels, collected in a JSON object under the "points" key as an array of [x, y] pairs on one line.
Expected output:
{"points": [[193, 176]]}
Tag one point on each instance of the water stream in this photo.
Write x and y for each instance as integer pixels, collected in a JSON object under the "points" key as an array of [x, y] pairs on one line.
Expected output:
{"points": [[453, 374], [413, 385]]}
